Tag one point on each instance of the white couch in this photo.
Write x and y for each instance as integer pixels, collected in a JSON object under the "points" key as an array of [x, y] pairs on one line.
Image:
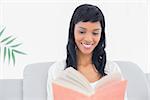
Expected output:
{"points": [[33, 85]]}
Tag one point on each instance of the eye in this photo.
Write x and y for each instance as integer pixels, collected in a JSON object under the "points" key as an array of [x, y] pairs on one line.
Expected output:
{"points": [[81, 32], [95, 33]]}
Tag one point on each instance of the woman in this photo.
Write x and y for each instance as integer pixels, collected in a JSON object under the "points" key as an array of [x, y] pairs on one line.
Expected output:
{"points": [[85, 48]]}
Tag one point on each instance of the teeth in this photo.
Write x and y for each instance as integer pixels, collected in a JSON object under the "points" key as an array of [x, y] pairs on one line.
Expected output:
{"points": [[87, 46]]}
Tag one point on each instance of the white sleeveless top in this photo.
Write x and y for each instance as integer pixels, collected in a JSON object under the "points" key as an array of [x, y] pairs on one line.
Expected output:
{"points": [[93, 84], [55, 70]]}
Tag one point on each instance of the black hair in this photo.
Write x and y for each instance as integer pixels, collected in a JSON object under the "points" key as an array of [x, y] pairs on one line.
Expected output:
{"points": [[87, 13]]}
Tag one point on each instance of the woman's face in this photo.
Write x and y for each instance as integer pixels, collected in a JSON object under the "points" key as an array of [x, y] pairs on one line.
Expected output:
{"points": [[87, 36]]}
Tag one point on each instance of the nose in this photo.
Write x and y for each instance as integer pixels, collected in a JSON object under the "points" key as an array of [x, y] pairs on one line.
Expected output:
{"points": [[88, 39]]}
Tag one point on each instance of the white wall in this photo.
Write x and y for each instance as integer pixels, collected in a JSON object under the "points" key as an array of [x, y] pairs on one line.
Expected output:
{"points": [[42, 27]]}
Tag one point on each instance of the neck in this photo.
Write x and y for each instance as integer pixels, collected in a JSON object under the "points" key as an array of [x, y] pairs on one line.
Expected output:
{"points": [[83, 60]]}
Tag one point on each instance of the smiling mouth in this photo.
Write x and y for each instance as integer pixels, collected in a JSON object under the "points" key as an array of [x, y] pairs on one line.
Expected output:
{"points": [[87, 45]]}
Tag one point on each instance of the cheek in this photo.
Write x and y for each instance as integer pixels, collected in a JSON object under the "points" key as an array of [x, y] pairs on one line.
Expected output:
{"points": [[97, 39], [78, 38]]}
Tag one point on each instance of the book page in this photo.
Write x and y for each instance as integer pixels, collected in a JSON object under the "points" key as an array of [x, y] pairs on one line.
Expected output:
{"points": [[109, 78], [70, 78]]}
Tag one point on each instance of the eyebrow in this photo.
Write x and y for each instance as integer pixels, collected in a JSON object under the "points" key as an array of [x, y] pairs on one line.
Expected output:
{"points": [[93, 29]]}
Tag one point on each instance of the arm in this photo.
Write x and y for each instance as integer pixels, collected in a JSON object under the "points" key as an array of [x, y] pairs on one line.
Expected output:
{"points": [[53, 72], [114, 67]]}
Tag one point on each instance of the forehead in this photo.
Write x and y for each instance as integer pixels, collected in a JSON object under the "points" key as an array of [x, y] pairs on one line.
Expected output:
{"points": [[88, 25]]}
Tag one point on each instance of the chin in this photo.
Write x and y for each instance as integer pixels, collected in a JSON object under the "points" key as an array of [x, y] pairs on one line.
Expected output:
{"points": [[87, 52]]}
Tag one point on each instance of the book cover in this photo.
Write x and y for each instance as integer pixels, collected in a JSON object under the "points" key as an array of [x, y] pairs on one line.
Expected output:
{"points": [[72, 85]]}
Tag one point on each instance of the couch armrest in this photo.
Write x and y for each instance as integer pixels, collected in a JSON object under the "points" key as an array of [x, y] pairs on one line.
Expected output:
{"points": [[11, 89], [137, 88], [148, 80], [35, 81]]}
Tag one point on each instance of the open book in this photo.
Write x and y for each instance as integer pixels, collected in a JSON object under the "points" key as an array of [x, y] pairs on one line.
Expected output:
{"points": [[72, 85]]}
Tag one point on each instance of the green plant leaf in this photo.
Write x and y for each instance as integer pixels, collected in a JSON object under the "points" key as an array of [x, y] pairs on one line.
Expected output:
{"points": [[8, 55], [6, 39], [13, 57], [10, 41], [2, 31], [16, 45], [5, 50], [19, 52]]}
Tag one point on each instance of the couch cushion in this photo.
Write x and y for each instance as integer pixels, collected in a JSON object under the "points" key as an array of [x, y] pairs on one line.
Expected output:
{"points": [[137, 83], [35, 80], [11, 89]]}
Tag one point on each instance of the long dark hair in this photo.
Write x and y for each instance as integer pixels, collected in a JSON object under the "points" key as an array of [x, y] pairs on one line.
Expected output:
{"points": [[87, 13]]}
